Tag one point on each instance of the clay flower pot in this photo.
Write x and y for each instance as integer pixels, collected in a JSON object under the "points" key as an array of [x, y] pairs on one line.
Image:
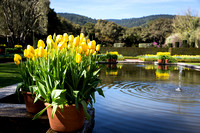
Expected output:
{"points": [[32, 107], [160, 61], [166, 61], [69, 120]]}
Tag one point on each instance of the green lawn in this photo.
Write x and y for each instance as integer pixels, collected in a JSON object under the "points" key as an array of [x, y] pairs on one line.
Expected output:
{"points": [[197, 64], [9, 74]]}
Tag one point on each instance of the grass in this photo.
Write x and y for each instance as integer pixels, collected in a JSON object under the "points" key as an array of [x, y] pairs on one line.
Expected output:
{"points": [[9, 74], [196, 64], [130, 57]]}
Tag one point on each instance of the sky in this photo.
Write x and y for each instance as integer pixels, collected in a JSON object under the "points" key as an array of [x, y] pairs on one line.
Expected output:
{"points": [[119, 9]]}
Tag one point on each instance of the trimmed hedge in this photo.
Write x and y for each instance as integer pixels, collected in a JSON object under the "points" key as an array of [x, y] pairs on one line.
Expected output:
{"points": [[129, 51]]}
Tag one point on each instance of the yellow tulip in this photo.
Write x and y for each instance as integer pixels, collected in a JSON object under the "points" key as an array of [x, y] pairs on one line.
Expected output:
{"points": [[41, 43], [84, 47], [88, 41], [71, 38], [29, 54], [78, 58], [81, 37], [49, 37], [41, 52], [65, 37], [98, 47], [61, 45], [30, 48], [76, 41], [92, 45], [17, 56], [26, 53], [59, 38]]}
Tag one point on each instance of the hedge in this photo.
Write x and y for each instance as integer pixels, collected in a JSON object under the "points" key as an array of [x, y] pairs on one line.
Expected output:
{"points": [[129, 51]]}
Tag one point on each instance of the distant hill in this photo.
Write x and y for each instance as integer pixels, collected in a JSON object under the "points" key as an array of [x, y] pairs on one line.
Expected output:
{"points": [[77, 19], [132, 22]]}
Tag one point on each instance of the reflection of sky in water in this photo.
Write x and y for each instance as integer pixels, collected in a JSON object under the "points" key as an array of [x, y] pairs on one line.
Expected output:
{"points": [[136, 101]]}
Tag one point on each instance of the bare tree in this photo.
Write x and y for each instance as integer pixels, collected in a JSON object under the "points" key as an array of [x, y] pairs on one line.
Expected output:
{"points": [[24, 17]]}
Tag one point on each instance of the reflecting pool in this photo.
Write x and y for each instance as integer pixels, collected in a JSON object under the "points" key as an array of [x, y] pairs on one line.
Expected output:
{"points": [[148, 99]]}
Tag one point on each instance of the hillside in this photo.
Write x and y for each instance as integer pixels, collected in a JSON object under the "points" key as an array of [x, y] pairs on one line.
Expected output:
{"points": [[132, 22], [77, 19]]}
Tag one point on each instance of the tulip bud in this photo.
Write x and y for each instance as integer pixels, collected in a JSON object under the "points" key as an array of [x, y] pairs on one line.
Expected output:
{"points": [[30, 48], [26, 53], [49, 37], [61, 45], [41, 43], [81, 37], [71, 38], [88, 41], [98, 47], [65, 37], [78, 58], [76, 41], [59, 38]]}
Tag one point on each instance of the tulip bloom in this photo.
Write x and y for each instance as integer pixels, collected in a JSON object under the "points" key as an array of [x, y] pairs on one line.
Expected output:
{"points": [[78, 58], [88, 41], [61, 45], [26, 53], [76, 41], [30, 48], [98, 47], [65, 37], [59, 38], [41, 43], [71, 38], [41, 52], [17, 59]]}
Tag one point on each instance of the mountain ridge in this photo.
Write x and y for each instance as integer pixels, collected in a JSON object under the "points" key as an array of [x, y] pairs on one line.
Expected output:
{"points": [[126, 22]]}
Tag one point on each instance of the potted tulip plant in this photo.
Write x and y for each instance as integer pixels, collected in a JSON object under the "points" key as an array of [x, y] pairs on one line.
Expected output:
{"points": [[114, 57], [25, 87], [67, 80], [108, 57]]}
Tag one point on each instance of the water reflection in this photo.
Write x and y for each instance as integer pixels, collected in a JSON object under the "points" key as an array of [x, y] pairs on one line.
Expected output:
{"points": [[136, 95]]}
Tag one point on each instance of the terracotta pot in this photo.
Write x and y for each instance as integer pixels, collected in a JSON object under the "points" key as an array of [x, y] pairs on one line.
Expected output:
{"points": [[108, 60], [166, 61], [160, 61], [32, 107], [69, 120]]}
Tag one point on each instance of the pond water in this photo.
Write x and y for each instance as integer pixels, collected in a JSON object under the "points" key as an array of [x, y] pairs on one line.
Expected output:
{"points": [[148, 99]]}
